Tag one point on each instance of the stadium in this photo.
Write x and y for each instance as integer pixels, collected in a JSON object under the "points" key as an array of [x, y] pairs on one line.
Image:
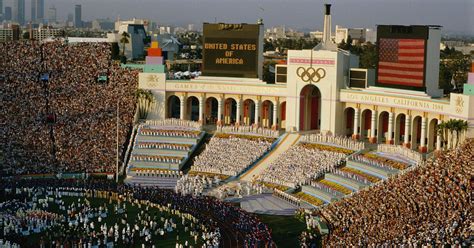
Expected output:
{"points": [[96, 153]]}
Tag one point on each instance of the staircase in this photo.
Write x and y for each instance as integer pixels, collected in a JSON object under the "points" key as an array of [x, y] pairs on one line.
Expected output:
{"points": [[267, 204], [156, 159]]}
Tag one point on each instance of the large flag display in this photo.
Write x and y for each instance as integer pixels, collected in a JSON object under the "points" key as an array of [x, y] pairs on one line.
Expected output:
{"points": [[401, 62]]}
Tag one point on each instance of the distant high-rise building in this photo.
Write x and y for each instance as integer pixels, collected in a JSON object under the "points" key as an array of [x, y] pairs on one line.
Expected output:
{"points": [[19, 11], [33, 10], [52, 15], [1, 11], [8, 13], [78, 16], [40, 9]]}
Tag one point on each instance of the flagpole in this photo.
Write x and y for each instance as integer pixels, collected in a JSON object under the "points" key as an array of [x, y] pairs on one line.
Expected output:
{"points": [[117, 142]]}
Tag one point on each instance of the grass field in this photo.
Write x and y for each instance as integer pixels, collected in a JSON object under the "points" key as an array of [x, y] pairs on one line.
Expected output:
{"points": [[169, 240], [285, 229]]}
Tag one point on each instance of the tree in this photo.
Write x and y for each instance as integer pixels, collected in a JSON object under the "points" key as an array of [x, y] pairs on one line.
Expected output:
{"points": [[124, 40], [452, 132], [145, 100], [453, 65], [368, 56]]}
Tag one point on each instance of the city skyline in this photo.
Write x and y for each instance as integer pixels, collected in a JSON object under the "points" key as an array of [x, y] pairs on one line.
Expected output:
{"points": [[301, 14]]}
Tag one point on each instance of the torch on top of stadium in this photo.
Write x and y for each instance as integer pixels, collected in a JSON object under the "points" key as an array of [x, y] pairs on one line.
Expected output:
{"points": [[326, 43]]}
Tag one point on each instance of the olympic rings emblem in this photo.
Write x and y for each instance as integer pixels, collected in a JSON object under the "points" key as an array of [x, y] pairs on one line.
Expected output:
{"points": [[311, 74]]}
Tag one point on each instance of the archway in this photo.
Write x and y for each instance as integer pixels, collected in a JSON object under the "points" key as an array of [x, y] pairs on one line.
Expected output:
{"points": [[432, 134], [283, 115], [174, 110], [230, 111], [383, 135], [310, 108], [249, 112], [192, 108], [400, 129], [366, 123], [267, 114], [349, 121], [416, 132], [211, 112]]}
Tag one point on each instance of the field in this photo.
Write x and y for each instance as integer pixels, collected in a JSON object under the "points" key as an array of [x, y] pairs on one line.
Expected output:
{"points": [[285, 229], [168, 240]]}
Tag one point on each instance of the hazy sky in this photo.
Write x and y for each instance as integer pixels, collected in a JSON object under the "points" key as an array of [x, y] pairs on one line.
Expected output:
{"points": [[453, 15]]}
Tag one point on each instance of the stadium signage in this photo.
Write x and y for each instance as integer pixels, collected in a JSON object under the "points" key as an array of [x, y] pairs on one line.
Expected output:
{"points": [[231, 50], [392, 101], [216, 88]]}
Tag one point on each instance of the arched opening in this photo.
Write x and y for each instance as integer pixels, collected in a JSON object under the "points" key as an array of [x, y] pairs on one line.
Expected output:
{"points": [[382, 129], [192, 108], [310, 108], [400, 129], [174, 110], [349, 121], [249, 112], [283, 115], [432, 134], [416, 132], [211, 110], [230, 111], [267, 114], [366, 123]]}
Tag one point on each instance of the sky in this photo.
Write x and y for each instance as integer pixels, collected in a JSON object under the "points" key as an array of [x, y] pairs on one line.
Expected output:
{"points": [[453, 15]]}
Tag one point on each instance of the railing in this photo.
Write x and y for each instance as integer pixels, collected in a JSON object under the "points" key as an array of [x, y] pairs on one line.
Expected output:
{"points": [[126, 159], [266, 132], [287, 197], [406, 152], [341, 141], [175, 122]]}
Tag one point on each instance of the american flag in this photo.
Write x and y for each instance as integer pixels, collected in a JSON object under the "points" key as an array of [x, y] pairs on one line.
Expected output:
{"points": [[401, 62]]}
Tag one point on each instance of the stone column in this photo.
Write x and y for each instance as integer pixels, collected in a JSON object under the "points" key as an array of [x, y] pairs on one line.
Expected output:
{"points": [[275, 116], [390, 129], [182, 102], [356, 134], [237, 117], [423, 148], [438, 139], [201, 110], [257, 113], [406, 141], [219, 112], [373, 127]]}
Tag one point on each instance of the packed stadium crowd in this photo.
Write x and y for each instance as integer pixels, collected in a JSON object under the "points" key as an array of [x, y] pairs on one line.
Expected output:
{"points": [[211, 214], [57, 115], [230, 156], [299, 164], [429, 205]]}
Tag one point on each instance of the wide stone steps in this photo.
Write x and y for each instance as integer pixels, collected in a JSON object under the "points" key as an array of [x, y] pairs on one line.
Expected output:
{"points": [[377, 171], [154, 165], [350, 183], [144, 181], [167, 139], [321, 194], [267, 204], [161, 152]]}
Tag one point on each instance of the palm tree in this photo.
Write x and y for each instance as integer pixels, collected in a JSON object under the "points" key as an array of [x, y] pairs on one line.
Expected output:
{"points": [[124, 40], [453, 131], [145, 100]]}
